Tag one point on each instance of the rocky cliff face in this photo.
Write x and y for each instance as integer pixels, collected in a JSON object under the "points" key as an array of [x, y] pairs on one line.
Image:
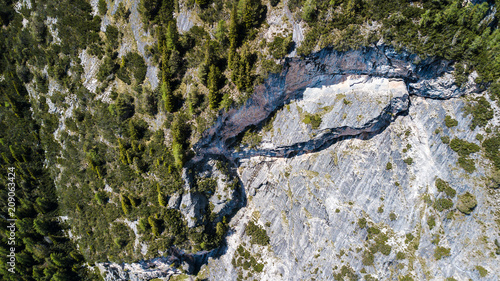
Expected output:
{"points": [[374, 156], [429, 78], [344, 179]]}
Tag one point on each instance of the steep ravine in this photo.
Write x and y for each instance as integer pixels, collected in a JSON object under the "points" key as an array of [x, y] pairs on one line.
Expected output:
{"points": [[429, 78], [327, 136]]}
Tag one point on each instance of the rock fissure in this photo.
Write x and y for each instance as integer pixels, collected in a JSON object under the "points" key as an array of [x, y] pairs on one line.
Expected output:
{"points": [[326, 137], [429, 79]]}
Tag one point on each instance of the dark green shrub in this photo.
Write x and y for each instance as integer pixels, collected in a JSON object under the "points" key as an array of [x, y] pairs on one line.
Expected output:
{"points": [[251, 138], [450, 122], [405, 278], [443, 186], [362, 223], [491, 147], [431, 222], [107, 69], [113, 37], [206, 185], [373, 230], [482, 271], [441, 252], [258, 235], [368, 258], [102, 7], [462, 147], [392, 216], [481, 112], [280, 46], [408, 161], [400, 256], [313, 119], [494, 179], [122, 12], [133, 64], [274, 3], [125, 107], [460, 74], [388, 166], [173, 222], [466, 203], [259, 267], [442, 204], [467, 164], [409, 238], [309, 11]]}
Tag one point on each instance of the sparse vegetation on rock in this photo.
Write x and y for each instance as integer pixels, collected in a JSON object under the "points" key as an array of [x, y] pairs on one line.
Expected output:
{"points": [[466, 203]]}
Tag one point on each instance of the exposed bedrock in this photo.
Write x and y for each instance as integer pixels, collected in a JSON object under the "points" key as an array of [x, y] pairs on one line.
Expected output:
{"points": [[428, 78], [310, 182]]}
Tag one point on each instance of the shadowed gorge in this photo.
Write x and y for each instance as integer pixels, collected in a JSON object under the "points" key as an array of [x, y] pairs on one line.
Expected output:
{"points": [[322, 69]]}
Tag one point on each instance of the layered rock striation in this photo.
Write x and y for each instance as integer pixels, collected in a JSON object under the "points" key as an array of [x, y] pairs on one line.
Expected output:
{"points": [[346, 136]]}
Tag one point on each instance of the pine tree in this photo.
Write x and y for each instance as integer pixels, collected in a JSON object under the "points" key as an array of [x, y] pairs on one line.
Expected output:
{"points": [[167, 96], [125, 205], [59, 259], [220, 32], [207, 61], [242, 72], [149, 9], [247, 16], [123, 152], [166, 90], [172, 37], [247, 78], [233, 36], [192, 100], [167, 11], [102, 7], [134, 201], [220, 229], [213, 89], [132, 130], [178, 152], [155, 225], [202, 2], [161, 198]]}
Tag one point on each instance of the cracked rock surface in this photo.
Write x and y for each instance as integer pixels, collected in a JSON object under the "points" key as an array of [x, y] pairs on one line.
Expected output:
{"points": [[310, 205], [308, 186], [310, 201]]}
